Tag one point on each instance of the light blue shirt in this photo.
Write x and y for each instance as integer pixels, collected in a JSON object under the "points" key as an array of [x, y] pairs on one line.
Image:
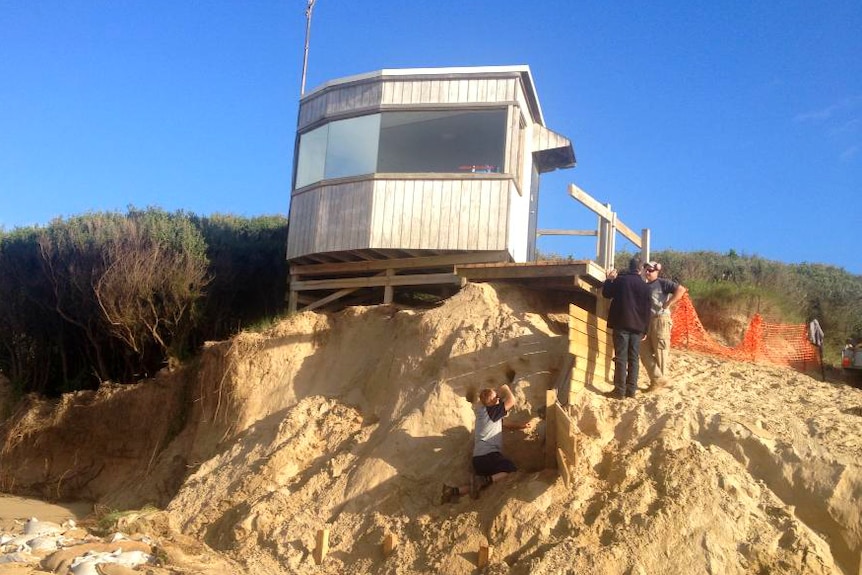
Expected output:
{"points": [[488, 436]]}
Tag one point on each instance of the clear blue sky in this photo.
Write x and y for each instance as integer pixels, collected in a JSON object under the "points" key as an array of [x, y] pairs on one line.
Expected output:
{"points": [[718, 125]]}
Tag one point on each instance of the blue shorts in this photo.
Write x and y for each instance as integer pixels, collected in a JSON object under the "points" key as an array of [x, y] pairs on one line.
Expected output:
{"points": [[493, 463]]}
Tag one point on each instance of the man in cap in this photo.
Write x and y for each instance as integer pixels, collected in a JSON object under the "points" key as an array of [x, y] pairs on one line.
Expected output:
{"points": [[628, 317], [664, 293]]}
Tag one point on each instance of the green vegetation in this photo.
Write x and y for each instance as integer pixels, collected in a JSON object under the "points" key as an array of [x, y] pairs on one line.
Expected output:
{"points": [[113, 520], [116, 297], [782, 293], [109, 296]]}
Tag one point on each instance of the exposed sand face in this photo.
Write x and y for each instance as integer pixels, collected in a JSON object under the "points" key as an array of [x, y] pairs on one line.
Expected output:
{"points": [[352, 422]]}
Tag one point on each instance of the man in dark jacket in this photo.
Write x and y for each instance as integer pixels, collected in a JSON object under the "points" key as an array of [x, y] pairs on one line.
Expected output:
{"points": [[629, 317]]}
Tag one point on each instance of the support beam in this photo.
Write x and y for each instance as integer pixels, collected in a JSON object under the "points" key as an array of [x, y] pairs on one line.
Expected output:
{"points": [[566, 233], [388, 290], [377, 281], [399, 264], [645, 247], [291, 300], [328, 299]]}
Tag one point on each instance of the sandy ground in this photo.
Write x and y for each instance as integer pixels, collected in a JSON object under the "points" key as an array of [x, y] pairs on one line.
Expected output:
{"points": [[351, 423], [14, 509]]}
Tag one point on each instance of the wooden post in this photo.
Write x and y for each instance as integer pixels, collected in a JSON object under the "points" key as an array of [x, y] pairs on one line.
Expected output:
{"points": [[563, 466], [322, 545], [551, 429], [645, 248], [484, 555], [388, 290], [292, 298], [390, 542], [601, 232], [603, 305]]}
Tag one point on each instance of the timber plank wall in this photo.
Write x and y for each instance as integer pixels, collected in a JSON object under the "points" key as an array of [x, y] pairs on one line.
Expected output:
{"points": [[365, 95], [402, 214], [438, 213], [591, 347], [590, 360]]}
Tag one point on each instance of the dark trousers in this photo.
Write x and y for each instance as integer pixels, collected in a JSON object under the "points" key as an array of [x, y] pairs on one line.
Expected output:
{"points": [[627, 345]]}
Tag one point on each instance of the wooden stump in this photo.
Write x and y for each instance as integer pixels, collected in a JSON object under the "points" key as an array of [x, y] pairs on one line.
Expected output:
{"points": [[322, 546], [390, 542], [550, 429]]}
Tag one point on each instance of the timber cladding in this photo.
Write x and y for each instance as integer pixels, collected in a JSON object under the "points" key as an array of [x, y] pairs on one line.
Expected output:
{"points": [[331, 218], [372, 94], [443, 205], [416, 214]]}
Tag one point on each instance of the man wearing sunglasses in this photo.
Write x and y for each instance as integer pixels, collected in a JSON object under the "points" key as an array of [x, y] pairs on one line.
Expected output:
{"points": [[664, 293]]}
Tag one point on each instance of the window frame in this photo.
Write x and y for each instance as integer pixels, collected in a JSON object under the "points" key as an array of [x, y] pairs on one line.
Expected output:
{"points": [[309, 172]]}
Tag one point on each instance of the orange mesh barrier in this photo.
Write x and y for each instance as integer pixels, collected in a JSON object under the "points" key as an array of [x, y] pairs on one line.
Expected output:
{"points": [[785, 344]]}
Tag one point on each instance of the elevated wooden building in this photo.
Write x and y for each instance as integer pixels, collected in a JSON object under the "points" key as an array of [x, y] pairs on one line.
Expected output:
{"points": [[403, 175], [429, 177]]}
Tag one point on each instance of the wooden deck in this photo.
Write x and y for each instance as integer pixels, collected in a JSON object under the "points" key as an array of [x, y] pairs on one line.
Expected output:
{"points": [[337, 285], [582, 275]]}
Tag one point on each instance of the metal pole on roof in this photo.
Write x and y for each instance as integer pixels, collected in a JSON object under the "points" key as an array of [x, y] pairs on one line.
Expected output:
{"points": [[308, 8]]}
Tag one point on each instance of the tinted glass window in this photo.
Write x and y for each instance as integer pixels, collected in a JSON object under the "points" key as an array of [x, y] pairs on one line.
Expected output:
{"points": [[312, 156], [352, 148], [442, 142], [404, 142]]}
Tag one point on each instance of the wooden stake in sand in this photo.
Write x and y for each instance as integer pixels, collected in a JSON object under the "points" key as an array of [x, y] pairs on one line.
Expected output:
{"points": [[322, 546], [550, 429], [484, 555], [390, 542]]}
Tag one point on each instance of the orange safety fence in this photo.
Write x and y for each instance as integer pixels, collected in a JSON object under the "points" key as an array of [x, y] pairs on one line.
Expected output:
{"points": [[785, 344]]}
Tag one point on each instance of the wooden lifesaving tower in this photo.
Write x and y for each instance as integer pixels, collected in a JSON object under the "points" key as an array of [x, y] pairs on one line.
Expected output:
{"points": [[402, 175]]}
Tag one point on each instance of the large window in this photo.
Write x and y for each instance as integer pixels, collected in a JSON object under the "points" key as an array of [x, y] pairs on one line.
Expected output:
{"points": [[338, 149], [404, 142]]}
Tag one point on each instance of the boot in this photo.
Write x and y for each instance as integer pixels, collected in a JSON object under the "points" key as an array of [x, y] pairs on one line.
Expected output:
{"points": [[450, 494]]}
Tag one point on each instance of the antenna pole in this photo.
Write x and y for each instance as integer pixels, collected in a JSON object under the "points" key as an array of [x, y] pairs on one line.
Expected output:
{"points": [[309, 7]]}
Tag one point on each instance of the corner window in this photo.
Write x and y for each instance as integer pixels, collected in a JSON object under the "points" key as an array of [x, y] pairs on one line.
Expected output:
{"points": [[312, 156], [448, 142], [338, 149]]}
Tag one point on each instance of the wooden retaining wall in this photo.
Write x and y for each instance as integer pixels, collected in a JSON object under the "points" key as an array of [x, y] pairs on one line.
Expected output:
{"points": [[592, 347], [590, 360], [560, 440]]}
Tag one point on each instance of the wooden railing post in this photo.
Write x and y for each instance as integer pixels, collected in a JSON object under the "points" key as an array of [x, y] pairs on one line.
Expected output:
{"points": [[645, 248]]}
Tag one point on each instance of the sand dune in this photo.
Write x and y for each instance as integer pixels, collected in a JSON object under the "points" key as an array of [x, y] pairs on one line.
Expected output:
{"points": [[351, 422]]}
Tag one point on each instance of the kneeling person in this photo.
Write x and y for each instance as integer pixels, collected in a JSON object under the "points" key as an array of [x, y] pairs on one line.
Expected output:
{"points": [[489, 463]]}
